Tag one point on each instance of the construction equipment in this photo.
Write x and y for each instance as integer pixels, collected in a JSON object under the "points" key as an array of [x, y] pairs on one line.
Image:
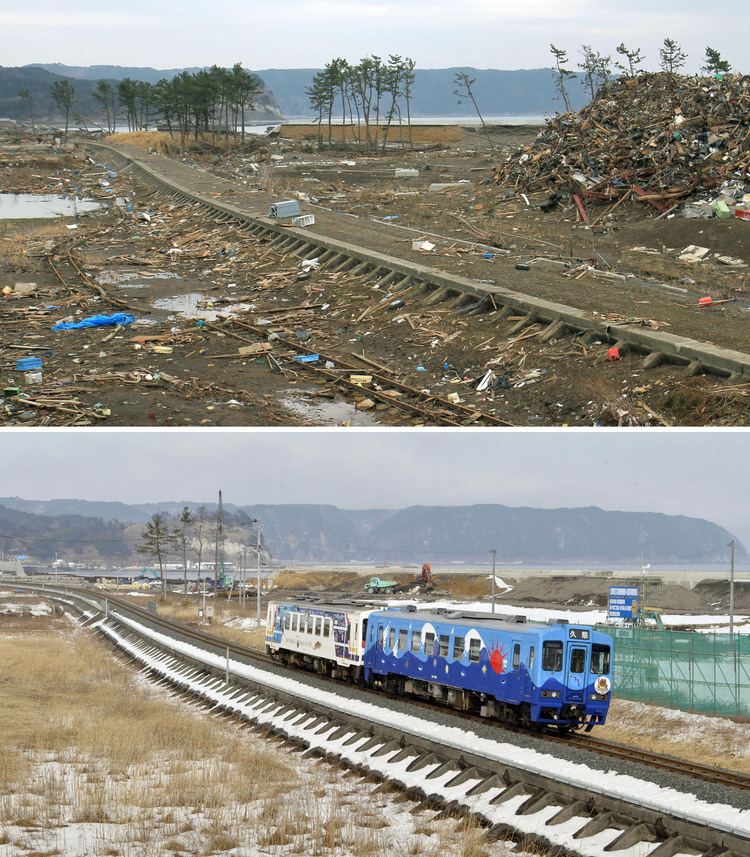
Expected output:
{"points": [[375, 585]]}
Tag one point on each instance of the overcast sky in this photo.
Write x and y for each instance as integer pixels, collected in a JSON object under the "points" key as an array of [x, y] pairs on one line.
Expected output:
{"points": [[307, 33], [702, 474]]}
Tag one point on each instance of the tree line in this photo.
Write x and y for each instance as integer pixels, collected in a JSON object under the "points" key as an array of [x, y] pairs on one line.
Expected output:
{"points": [[209, 101], [199, 533], [597, 69], [370, 97]]}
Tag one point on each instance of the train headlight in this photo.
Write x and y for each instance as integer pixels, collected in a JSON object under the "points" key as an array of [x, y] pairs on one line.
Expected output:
{"points": [[551, 694], [602, 685]]}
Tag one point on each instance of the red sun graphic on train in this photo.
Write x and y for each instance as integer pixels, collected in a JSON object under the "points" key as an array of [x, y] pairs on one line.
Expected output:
{"points": [[497, 656]]}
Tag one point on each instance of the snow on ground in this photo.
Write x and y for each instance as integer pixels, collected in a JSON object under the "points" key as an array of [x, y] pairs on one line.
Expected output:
{"points": [[501, 584], [244, 623], [12, 608], [71, 804], [576, 617], [618, 786]]}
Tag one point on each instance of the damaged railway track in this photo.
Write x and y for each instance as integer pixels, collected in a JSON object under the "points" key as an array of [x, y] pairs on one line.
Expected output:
{"points": [[432, 287], [520, 798]]}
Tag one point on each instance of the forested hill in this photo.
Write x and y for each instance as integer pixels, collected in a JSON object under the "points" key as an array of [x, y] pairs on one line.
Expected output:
{"points": [[322, 533], [38, 80]]}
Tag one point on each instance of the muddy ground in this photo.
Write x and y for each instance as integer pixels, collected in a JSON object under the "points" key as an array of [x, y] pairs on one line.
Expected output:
{"points": [[555, 591], [193, 286]]}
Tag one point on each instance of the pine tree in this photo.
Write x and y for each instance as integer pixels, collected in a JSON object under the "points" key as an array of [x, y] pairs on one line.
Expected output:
{"points": [[672, 56], [157, 542], [64, 95], [634, 57], [715, 64], [561, 74], [181, 538]]}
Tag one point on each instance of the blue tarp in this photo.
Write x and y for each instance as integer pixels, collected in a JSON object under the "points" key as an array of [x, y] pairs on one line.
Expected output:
{"points": [[119, 318]]}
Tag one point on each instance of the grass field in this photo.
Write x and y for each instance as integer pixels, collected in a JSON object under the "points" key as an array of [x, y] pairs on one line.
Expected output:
{"points": [[95, 760]]}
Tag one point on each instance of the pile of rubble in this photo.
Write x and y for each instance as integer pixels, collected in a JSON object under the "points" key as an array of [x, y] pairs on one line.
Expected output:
{"points": [[662, 137]]}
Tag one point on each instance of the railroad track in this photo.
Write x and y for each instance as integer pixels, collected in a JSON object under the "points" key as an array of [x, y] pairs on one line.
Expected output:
{"points": [[517, 796], [460, 294]]}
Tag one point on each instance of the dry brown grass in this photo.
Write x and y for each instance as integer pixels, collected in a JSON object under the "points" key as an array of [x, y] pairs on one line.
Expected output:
{"points": [[159, 141], [16, 238], [421, 134], [186, 610], [88, 742], [708, 740], [125, 752], [164, 144]]}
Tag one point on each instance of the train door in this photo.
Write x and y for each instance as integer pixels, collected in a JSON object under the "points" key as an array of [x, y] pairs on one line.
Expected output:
{"points": [[515, 679], [527, 674], [576, 678]]}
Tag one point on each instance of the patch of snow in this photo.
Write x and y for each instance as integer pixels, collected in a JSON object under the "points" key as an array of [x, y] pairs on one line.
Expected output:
{"points": [[10, 608], [244, 623], [617, 786], [500, 583]]}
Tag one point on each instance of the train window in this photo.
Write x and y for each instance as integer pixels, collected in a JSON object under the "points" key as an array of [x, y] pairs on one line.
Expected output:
{"points": [[577, 660], [318, 623], [416, 642], [392, 641], [287, 621], [402, 634], [429, 643], [599, 659], [475, 646], [444, 645], [552, 657], [326, 627], [531, 658], [381, 635], [516, 656], [459, 646]]}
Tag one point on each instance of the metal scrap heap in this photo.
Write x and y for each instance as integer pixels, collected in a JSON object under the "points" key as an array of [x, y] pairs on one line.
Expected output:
{"points": [[663, 137]]}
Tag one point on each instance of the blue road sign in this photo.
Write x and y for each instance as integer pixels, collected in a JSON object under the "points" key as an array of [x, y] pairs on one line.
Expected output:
{"points": [[624, 602]]}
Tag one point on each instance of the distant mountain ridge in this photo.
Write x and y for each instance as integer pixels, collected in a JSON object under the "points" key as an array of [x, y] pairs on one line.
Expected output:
{"points": [[521, 92], [499, 92], [325, 533]]}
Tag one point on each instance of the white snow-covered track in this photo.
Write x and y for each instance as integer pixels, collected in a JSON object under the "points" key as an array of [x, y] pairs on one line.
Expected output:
{"points": [[520, 792]]}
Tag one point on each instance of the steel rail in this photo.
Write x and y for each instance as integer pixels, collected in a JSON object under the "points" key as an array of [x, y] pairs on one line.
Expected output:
{"points": [[521, 791]]}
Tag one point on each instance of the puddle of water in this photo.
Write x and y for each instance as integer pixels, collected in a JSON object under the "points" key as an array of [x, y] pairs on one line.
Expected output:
{"points": [[330, 413], [188, 306], [124, 279], [27, 206]]}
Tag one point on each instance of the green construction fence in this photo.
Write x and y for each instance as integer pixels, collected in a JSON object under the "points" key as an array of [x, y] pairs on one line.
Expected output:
{"points": [[709, 673]]}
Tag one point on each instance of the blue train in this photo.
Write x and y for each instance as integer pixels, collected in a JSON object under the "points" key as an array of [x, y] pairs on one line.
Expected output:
{"points": [[522, 673]]}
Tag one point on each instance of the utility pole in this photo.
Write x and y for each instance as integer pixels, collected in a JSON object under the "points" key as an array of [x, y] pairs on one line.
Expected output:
{"points": [[243, 589], [494, 556], [219, 552], [257, 594], [731, 594]]}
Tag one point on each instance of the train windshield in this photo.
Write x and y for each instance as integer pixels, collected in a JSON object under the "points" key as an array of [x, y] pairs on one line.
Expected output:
{"points": [[552, 656], [599, 659], [577, 660]]}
